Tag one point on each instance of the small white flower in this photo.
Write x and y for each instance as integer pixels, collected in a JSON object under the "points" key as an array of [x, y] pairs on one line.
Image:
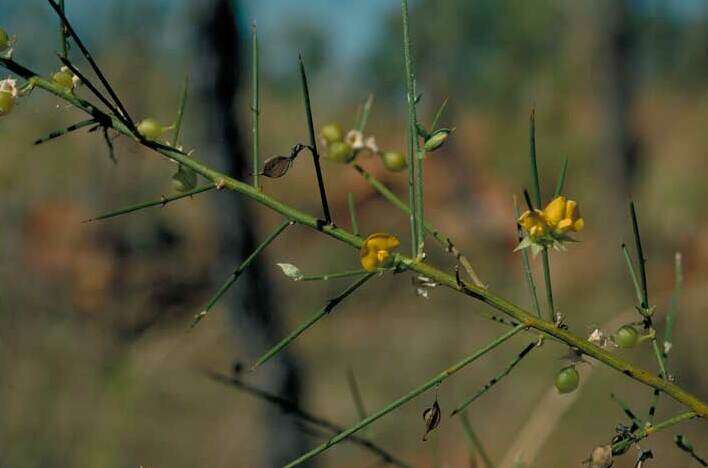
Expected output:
{"points": [[370, 144], [9, 86], [599, 338], [355, 139]]}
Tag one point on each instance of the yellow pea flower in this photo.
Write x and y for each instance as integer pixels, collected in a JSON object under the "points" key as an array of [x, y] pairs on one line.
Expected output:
{"points": [[550, 227], [376, 250], [534, 222], [563, 215]]}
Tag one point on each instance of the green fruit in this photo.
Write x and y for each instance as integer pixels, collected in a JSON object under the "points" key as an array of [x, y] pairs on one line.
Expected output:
{"points": [[184, 179], [340, 152], [436, 140], [332, 133], [150, 128], [567, 380], [393, 161], [4, 40], [627, 337], [7, 103], [64, 79]]}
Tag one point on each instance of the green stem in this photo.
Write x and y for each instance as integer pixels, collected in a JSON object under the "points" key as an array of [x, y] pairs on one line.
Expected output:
{"points": [[313, 143], [239, 270], [628, 412], [64, 131], [528, 274], [352, 213], [364, 116], [436, 380], [549, 286], [300, 329], [496, 379], [162, 202], [63, 33], [356, 394], [444, 241], [561, 178], [513, 311], [474, 442], [180, 112], [255, 107], [438, 114], [622, 446], [415, 174], [329, 276], [641, 260], [632, 273]]}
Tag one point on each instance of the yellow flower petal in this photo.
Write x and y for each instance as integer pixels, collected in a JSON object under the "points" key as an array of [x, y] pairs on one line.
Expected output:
{"points": [[579, 224], [564, 225], [375, 251], [555, 210]]}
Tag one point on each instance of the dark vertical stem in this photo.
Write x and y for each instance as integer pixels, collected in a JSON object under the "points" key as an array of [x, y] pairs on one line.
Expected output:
{"points": [[640, 254], [63, 32], [313, 143]]}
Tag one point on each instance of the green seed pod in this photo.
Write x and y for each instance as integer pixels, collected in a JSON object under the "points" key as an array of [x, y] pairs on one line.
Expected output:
{"points": [[64, 79], [627, 337], [567, 380], [4, 40], [150, 128], [393, 161], [332, 133], [340, 152], [436, 140], [184, 179], [7, 103]]}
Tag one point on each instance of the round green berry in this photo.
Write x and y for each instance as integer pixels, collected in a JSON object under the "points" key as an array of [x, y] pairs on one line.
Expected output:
{"points": [[340, 152], [627, 337], [393, 161], [332, 133], [567, 380], [7, 103], [64, 79], [150, 128], [4, 40]]}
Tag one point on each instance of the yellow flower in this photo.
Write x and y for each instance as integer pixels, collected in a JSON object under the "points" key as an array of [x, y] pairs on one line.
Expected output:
{"points": [[563, 215], [375, 251], [534, 222]]}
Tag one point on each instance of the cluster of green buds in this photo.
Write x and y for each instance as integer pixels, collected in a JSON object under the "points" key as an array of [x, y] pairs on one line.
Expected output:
{"points": [[6, 43], [344, 149], [8, 96]]}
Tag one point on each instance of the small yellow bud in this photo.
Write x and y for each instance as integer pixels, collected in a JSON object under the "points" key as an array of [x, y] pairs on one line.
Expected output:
{"points": [[393, 161], [64, 79], [340, 152], [150, 128], [332, 133], [375, 252]]}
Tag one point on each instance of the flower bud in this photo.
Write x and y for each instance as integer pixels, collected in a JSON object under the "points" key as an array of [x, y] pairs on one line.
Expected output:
{"points": [[627, 337], [184, 179], [393, 161], [150, 128], [436, 140], [340, 152], [332, 133], [567, 380], [8, 96], [64, 78]]}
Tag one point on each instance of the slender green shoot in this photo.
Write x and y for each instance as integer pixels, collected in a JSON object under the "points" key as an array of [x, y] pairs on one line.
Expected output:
{"points": [[621, 446], [163, 201], [673, 306], [292, 408], [528, 274], [473, 441], [561, 179], [239, 270], [313, 143], [415, 156], [536, 186], [352, 213], [682, 443], [65, 131], [636, 421], [355, 393], [180, 113], [363, 117], [632, 273], [496, 379], [433, 382], [443, 240], [63, 33], [300, 329], [641, 259], [330, 276], [438, 115], [255, 106]]}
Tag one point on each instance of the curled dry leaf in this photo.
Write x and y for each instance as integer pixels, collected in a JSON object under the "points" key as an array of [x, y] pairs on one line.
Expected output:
{"points": [[277, 166], [431, 417]]}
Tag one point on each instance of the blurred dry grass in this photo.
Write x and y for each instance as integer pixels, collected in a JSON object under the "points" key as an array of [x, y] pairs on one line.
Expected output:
{"points": [[94, 373]]}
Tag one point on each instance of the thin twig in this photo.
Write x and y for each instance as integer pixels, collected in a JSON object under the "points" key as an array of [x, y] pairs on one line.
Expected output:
{"points": [[255, 106], [290, 407], [621, 447], [528, 274], [355, 393], [561, 178], [636, 421], [65, 131], [352, 213], [473, 441], [300, 329]]}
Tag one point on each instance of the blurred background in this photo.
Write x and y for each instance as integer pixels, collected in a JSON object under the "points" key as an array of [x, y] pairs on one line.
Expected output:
{"points": [[98, 367]]}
